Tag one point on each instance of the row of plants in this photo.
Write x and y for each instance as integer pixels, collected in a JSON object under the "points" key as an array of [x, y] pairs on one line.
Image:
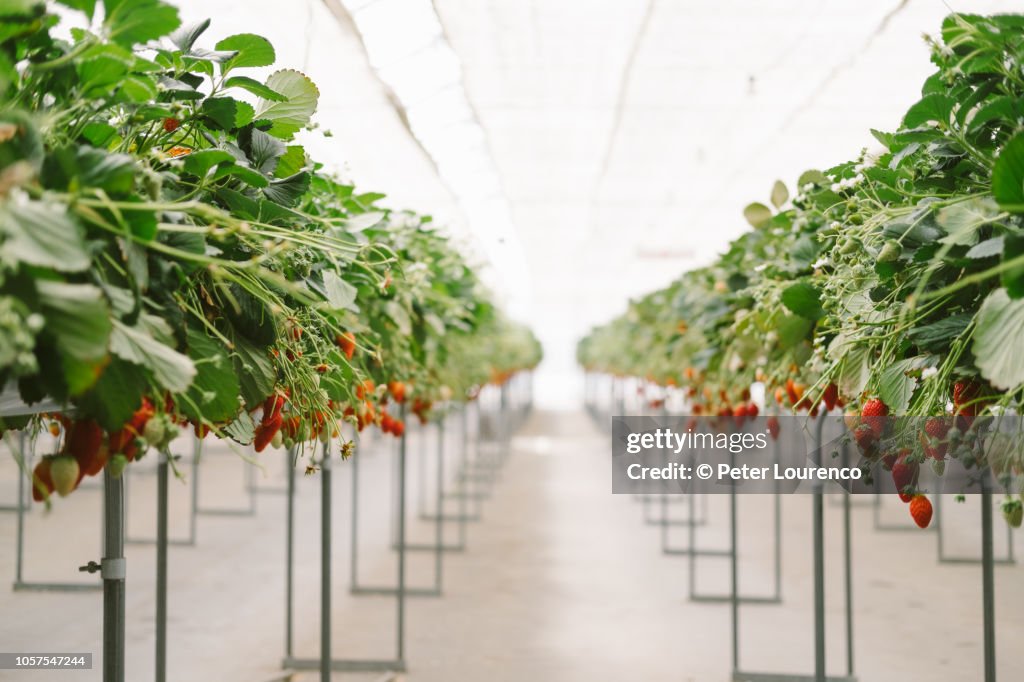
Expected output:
{"points": [[891, 284], [170, 254]]}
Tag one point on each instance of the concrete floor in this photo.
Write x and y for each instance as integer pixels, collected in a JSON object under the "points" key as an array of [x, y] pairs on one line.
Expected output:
{"points": [[561, 581]]}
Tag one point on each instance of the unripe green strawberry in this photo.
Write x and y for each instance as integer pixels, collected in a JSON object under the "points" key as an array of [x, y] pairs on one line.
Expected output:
{"points": [[1013, 512], [64, 471], [155, 432], [890, 251], [939, 466], [277, 441], [117, 464]]}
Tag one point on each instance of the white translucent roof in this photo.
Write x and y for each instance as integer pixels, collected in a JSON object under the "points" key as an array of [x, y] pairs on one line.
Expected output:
{"points": [[594, 149]]}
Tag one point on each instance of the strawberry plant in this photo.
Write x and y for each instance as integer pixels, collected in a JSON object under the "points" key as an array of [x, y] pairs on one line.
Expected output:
{"points": [[170, 254], [892, 283]]}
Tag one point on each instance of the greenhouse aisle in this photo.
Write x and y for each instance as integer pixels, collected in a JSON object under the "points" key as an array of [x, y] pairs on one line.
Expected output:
{"points": [[562, 581]]}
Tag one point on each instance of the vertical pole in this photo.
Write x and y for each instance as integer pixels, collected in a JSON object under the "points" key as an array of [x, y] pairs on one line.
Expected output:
{"points": [[161, 568], [197, 450], [734, 568], [464, 467], [354, 555], [113, 571], [691, 534], [22, 475], [778, 525], [290, 558], [848, 567], [325, 565], [401, 541], [988, 579], [819, 559], [439, 524], [504, 430]]}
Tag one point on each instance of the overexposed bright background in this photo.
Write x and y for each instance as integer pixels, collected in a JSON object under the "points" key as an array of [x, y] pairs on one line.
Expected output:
{"points": [[591, 150]]}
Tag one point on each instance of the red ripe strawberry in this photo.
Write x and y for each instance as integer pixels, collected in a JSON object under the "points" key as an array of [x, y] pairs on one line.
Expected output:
{"points": [[42, 482], [201, 430], [272, 407], [773, 427], [266, 431], [386, 422], [397, 391], [739, 414], [290, 426], [171, 124], [791, 392], [398, 428], [866, 439], [85, 444], [889, 459], [873, 414], [347, 343], [322, 368], [921, 511], [964, 391], [752, 410], [366, 388], [934, 437], [830, 397], [904, 472]]}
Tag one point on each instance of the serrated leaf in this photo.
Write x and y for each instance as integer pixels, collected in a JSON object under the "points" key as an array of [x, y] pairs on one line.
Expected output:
{"points": [[264, 151], [895, 387], [364, 221], [1012, 278], [199, 163], [116, 395], [246, 175], [804, 299], [221, 110], [171, 369], [43, 234], [289, 116], [256, 372], [242, 429], [214, 392], [135, 88], [293, 161], [130, 22], [252, 51], [185, 37], [997, 348], [1008, 176], [255, 87], [400, 316], [934, 108], [1004, 107], [986, 249], [962, 220], [340, 294], [287, 191], [757, 214], [812, 177], [77, 317], [780, 195], [86, 6], [940, 333]]}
